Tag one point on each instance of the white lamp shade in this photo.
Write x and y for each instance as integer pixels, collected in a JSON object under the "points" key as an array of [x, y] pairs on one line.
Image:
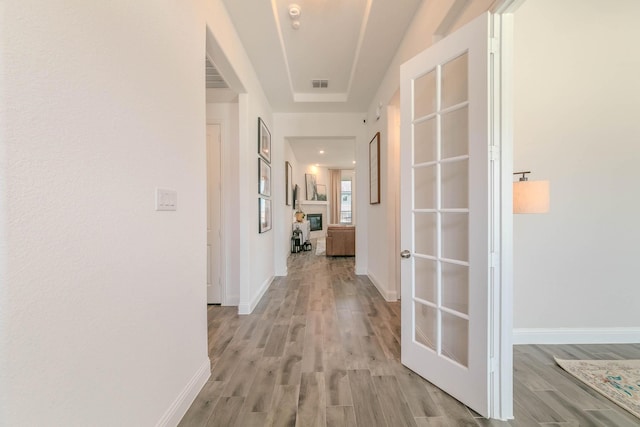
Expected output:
{"points": [[530, 197]]}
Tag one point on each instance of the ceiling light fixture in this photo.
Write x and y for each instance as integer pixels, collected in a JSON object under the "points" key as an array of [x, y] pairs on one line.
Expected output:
{"points": [[294, 14], [321, 151]]}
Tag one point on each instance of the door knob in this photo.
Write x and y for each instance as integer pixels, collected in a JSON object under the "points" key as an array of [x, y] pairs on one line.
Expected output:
{"points": [[405, 254]]}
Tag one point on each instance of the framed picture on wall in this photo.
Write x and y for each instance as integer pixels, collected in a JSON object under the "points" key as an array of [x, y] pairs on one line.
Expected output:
{"points": [[288, 171], [321, 192], [312, 189], [264, 214], [374, 170], [264, 141], [264, 178]]}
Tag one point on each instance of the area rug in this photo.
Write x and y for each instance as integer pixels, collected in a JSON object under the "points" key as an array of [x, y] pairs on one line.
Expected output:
{"points": [[619, 380], [321, 245]]}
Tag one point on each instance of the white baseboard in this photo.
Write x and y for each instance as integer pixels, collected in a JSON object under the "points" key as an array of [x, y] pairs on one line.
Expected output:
{"points": [[247, 308], [576, 335], [232, 300], [179, 407], [386, 294]]}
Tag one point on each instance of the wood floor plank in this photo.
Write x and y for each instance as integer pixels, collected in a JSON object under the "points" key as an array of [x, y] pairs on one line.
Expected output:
{"points": [[416, 393], [226, 411], [394, 406], [252, 419], [240, 382], [523, 369], [297, 329], [456, 412], [372, 349], [432, 422], [276, 341], [291, 364], [285, 407], [365, 400], [615, 418], [202, 407], [536, 407], [261, 392], [312, 401], [338, 390], [341, 416]]}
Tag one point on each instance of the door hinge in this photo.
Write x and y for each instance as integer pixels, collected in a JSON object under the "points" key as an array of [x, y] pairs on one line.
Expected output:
{"points": [[493, 364], [494, 45], [494, 260], [494, 153]]}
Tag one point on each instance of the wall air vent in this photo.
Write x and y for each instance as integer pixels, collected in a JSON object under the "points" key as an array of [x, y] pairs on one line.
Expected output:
{"points": [[320, 84]]}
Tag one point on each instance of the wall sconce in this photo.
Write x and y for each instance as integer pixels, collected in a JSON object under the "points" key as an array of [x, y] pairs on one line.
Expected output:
{"points": [[530, 196]]}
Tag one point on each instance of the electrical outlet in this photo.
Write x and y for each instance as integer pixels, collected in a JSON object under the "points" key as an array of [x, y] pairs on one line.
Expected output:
{"points": [[166, 200]]}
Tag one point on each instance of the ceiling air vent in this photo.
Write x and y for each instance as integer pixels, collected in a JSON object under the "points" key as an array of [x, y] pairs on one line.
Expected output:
{"points": [[320, 84], [213, 77]]}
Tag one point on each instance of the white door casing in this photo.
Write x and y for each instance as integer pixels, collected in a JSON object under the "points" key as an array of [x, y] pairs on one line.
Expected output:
{"points": [[214, 216], [446, 214]]}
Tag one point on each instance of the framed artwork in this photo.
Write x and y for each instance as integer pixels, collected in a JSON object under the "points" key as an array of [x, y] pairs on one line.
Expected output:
{"points": [[264, 178], [310, 183], [264, 215], [374, 170], [288, 172], [321, 191], [264, 141]]}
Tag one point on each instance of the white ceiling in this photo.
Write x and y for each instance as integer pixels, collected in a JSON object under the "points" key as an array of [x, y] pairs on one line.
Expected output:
{"points": [[339, 153], [348, 42]]}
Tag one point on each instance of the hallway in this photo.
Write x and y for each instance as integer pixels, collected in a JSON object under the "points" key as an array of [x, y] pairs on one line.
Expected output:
{"points": [[322, 349]]}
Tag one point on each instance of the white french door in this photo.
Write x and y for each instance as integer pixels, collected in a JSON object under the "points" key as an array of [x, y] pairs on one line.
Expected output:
{"points": [[445, 213]]}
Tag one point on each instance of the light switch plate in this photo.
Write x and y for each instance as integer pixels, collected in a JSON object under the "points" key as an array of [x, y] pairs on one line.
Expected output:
{"points": [[166, 200]]}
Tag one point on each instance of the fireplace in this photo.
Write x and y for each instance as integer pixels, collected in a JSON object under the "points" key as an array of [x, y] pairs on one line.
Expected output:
{"points": [[315, 221]]}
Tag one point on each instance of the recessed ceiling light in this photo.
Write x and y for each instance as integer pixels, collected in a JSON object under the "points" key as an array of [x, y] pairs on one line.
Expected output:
{"points": [[354, 162], [321, 151]]}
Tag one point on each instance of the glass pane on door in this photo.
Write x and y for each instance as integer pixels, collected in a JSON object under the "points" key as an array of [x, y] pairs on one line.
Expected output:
{"points": [[426, 327], [441, 210], [454, 81]]}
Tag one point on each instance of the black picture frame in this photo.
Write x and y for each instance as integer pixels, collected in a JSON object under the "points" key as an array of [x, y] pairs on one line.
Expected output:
{"points": [[264, 178], [264, 215], [264, 141], [374, 170]]}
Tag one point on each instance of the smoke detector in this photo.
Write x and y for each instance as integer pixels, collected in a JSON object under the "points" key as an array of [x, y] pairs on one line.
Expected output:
{"points": [[294, 14]]}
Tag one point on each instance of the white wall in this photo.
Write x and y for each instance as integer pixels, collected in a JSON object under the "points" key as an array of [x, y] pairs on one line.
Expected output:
{"points": [[342, 125], [577, 103], [104, 320]]}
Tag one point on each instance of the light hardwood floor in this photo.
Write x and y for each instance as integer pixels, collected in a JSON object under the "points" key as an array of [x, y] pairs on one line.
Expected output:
{"points": [[322, 349]]}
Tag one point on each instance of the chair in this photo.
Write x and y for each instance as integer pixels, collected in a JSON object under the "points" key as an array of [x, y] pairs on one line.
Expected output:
{"points": [[341, 240]]}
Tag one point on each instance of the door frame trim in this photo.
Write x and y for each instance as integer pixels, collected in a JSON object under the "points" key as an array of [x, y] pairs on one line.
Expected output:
{"points": [[501, 398]]}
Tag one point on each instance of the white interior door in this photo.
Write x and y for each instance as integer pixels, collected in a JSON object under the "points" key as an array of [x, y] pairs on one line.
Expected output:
{"points": [[214, 209], [445, 211]]}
